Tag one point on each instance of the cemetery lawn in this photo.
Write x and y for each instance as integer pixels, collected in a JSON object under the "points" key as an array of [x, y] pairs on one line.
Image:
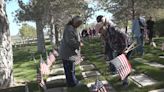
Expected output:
{"points": [[25, 68], [94, 48]]}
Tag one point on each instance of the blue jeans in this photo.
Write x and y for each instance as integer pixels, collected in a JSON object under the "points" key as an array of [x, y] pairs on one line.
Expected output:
{"points": [[69, 68], [140, 48]]}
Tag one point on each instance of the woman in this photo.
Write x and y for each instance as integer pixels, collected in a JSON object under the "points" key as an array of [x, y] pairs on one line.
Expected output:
{"points": [[70, 44]]}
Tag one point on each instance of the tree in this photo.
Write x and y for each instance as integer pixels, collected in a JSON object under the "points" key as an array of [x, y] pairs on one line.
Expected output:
{"points": [[6, 56], [43, 11], [27, 31], [124, 10]]}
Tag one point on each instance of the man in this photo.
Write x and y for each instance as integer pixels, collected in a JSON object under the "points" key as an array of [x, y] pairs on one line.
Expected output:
{"points": [[70, 44], [138, 34], [115, 42], [150, 25]]}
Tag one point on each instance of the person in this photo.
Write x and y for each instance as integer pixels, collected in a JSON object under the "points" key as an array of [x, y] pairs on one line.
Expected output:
{"points": [[115, 43], [150, 25], [84, 33], [138, 33], [70, 44]]}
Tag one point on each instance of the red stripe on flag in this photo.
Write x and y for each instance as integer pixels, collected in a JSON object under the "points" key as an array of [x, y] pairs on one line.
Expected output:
{"points": [[125, 68]]}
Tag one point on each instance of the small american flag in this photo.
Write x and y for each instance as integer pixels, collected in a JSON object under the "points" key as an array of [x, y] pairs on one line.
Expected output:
{"points": [[99, 87], [40, 81], [52, 57], [49, 63], [122, 65], [162, 47], [43, 67], [55, 53]]}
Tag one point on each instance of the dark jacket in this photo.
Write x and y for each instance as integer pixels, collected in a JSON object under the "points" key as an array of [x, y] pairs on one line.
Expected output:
{"points": [[117, 40], [69, 43]]}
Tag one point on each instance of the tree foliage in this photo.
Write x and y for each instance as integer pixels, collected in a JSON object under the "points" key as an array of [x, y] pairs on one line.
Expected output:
{"points": [[27, 31], [124, 10], [48, 12]]}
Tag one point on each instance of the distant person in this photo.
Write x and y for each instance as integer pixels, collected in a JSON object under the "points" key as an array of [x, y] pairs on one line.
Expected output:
{"points": [[138, 26], [84, 33], [150, 26], [69, 45]]}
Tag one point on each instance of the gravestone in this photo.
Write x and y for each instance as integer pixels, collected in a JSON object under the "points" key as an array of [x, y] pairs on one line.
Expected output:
{"points": [[90, 74], [57, 71], [154, 64], [161, 57], [56, 80], [57, 66], [59, 89], [158, 90], [142, 80], [87, 67], [108, 87]]}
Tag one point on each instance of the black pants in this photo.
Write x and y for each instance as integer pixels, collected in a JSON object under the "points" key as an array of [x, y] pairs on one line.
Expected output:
{"points": [[150, 35]]}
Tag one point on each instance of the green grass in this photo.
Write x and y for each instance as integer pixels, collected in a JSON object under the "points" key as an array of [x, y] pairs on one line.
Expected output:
{"points": [[151, 55], [25, 68]]}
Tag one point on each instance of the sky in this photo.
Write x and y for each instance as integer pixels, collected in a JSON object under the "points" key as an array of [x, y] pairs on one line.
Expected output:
{"points": [[14, 27]]}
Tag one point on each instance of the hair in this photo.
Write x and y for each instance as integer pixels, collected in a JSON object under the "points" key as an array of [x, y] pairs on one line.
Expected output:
{"points": [[74, 19], [99, 18]]}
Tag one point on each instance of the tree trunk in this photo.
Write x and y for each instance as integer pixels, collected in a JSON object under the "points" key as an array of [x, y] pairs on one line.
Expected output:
{"points": [[40, 37], [6, 54], [57, 35], [133, 10]]}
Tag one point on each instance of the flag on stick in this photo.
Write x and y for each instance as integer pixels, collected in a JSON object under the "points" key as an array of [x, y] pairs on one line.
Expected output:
{"points": [[55, 53], [49, 63], [52, 57], [122, 65], [40, 80], [43, 67]]}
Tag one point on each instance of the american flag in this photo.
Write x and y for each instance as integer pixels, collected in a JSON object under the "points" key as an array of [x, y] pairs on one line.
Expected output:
{"points": [[52, 57], [40, 81], [99, 87], [49, 63], [55, 53], [162, 47], [122, 65], [43, 67]]}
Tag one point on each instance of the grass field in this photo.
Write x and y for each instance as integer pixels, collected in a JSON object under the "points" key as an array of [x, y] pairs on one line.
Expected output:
{"points": [[25, 68]]}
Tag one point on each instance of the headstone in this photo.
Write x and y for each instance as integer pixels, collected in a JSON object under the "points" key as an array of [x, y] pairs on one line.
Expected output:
{"points": [[87, 67], [60, 89], [108, 87], [60, 79], [57, 71], [158, 90], [90, 74], [161, 57], [142, 80], [154, 64], [57, 66], [140, 60]]}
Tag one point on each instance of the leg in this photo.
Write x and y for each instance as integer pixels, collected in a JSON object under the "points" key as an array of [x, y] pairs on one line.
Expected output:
{"points": [[69, 69]]}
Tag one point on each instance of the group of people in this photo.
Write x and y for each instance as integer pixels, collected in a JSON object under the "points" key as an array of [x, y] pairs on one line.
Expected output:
{"points": [[115, 43], [141, 30], [88, 33]]}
